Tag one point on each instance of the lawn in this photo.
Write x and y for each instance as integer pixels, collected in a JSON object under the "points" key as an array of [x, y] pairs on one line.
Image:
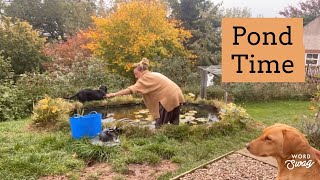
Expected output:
{"points": [[287, 112], [26, 154]]}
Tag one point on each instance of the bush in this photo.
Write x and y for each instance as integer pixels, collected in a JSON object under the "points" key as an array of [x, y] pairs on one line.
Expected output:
{"points": [[311, 127], [6, 71], [269, 91], [195, 89], [234, 114], [179, 70], [311, 123], [13, 104], [88, 73], [34, 86], [51, 113], [85, 74], [66, 82], [215, 92]]}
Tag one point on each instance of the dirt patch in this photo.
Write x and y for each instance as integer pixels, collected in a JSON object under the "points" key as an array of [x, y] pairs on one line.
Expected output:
{"points": [[150, 172], [103, 171]]}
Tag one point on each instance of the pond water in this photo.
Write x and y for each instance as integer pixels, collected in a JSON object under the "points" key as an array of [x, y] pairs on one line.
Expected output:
{"points": [[139, 114]]}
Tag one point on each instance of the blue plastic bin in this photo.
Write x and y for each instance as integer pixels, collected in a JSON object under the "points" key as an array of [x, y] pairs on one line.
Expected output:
{"points": [[86, 126]]}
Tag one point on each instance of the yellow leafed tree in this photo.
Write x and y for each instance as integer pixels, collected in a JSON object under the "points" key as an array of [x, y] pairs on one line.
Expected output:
{"points": [[134, 30]]}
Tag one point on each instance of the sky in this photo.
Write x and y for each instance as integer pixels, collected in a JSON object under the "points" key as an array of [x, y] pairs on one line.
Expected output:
{"points": [[266, 8]]}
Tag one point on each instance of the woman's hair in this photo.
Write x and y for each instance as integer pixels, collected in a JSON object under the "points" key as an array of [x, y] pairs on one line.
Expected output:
{"points": [[142, 65]]}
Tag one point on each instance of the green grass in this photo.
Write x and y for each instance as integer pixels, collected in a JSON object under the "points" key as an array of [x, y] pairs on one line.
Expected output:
{"points": [[287, 112], [26, 154]]}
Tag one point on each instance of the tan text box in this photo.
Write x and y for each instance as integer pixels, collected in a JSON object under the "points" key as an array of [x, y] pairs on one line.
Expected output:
{"points": [[263, 50]]}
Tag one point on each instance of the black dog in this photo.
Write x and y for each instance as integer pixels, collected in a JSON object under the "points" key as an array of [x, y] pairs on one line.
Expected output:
{"points": [[90, 95]]}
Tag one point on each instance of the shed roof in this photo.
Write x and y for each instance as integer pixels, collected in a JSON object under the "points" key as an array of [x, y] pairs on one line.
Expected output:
{"points": [[213, 69]]}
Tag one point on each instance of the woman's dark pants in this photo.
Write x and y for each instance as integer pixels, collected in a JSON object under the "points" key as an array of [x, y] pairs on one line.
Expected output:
{"points": [[171, 117]]}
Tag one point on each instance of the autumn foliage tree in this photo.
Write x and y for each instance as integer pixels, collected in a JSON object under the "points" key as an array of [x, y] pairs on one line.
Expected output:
{"points": [[134, 30], [307, 10], [64, 54]]}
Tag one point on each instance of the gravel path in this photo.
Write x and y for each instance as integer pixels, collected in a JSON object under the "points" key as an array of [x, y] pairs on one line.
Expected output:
{"points": [[234, 167]]}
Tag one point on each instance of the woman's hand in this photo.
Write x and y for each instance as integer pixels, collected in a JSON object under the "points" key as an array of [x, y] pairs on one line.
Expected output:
{"points": [[110, 95], [119, 93]]}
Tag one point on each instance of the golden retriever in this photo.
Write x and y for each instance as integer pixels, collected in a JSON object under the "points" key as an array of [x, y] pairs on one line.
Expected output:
{"points": [[296, 159]]}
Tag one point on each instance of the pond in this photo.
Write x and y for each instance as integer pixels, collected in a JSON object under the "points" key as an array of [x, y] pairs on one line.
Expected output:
{"points": [[139, 115]]}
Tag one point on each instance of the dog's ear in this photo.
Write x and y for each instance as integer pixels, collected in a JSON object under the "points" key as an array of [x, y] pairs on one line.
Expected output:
{"points": [[292, 143], [317, 152], [104, 88]]}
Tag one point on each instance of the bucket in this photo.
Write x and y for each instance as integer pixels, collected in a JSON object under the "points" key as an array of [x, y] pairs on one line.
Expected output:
{"points": [[86, 126]]}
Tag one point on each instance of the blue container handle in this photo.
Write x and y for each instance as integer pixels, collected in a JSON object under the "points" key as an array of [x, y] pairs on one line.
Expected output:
{"points": [[95, 112], [76, 116]]}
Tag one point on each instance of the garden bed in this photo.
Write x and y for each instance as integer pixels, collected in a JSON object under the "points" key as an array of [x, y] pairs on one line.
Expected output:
{"points": [[231, 166]]}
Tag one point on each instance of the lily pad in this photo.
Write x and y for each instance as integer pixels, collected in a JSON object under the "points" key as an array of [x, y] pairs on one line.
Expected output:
{"points": [[190, 118], [136, 113], [189, 114], [202, 119], [138, 116], [193, 111], [143, 111], [149, 118]]}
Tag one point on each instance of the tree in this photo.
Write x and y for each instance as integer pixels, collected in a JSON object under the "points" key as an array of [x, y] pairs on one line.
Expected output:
{"points": [[179, 70], [103, 8], [203, 19], [21, 44], [207, 36], [189, 11], [57, 17], [136, 29], [307, 10], [65, 54], [238, 12]]}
